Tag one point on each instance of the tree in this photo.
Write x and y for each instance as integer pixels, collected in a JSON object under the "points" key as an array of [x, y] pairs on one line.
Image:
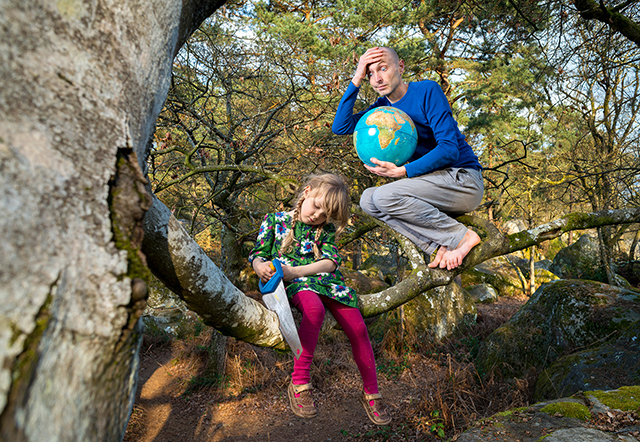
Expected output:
{"points": [[82, 84]]}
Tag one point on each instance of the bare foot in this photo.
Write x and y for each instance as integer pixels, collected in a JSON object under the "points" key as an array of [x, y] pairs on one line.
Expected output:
{"points": [[453, 258], [441, 251]]}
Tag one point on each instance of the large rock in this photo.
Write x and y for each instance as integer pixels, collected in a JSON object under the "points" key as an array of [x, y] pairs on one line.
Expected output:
{"points": [[361, 283], [385, 266], [434, 314], [498, 272], [596, 416], [483, 293], [560, 317], [607, 366], [580, 260]]}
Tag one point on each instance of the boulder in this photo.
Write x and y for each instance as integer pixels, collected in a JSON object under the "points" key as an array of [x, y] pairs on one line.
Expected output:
{"points": [[361, 283], [434, 314], [483, 293], [569, 419], [168, 322], [560, 317], [501, 273], [543, 276], [514, 226], [385, 266], [607, 366], [580, 260]]}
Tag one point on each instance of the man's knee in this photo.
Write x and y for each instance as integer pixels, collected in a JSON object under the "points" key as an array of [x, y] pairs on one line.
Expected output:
{"points": [[367, 201], [386, 200]]}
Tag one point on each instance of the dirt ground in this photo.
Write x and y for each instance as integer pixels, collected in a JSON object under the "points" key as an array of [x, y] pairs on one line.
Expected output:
{"points": [[426, 388]]}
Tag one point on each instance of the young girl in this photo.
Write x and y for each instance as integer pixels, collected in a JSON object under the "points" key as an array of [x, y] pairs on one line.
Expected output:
{"points": [[304, 241]]}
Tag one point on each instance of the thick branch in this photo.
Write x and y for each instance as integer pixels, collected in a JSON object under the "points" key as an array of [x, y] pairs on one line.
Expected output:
{"points": [[494, 244], [177, 260], [180, 263], [589, 10]]}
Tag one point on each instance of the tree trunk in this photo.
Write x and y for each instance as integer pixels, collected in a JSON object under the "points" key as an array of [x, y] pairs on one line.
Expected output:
{"points": [[532, 270], [83, 82], [605, 255]]}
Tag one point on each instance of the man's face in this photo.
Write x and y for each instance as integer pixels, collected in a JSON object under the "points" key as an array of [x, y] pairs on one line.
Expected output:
{"points": [[386, 75]]}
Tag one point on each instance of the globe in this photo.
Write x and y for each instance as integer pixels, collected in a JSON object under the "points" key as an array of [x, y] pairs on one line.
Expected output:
{"points": [[385, 133]]}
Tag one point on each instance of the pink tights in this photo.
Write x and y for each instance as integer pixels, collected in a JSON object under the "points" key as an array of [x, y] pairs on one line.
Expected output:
{"points": [[312, 307]]}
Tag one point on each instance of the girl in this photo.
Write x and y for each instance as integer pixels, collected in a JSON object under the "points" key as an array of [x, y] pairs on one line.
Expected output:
{"points": [[304, 241]]}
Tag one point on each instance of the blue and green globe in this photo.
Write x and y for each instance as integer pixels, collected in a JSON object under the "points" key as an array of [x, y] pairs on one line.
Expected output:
{"points": [[385, 133]]}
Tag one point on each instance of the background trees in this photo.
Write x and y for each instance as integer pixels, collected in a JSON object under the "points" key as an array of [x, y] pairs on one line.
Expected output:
{"points": [[518, 78]]}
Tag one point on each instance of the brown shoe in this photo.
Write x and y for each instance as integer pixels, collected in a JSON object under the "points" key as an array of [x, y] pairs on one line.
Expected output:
{"points": [[302, 405], [375, 409]]}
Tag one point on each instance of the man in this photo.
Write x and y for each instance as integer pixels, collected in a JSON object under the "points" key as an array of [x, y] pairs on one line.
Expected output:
{"points": [[442, 180]]}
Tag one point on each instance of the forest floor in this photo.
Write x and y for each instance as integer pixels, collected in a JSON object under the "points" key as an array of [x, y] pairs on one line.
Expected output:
{"points": [[429, 387]]}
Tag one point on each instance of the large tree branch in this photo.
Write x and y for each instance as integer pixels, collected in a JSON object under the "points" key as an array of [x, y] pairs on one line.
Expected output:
{"points": [[177, 260], [590, 10], [180, 263], [494, 244]]}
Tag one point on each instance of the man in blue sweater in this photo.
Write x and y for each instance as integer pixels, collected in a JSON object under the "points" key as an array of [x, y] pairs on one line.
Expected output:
{"points": [[442, 180]]}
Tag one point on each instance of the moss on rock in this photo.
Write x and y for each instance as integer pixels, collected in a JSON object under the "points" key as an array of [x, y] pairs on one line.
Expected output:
{"points": [[560, 316], [624, 398], [498, 272], [568, 409]]}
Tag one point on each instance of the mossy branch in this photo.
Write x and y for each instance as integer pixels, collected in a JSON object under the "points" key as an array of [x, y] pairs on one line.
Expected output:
{"points": [[494, 244], [591, 10]]}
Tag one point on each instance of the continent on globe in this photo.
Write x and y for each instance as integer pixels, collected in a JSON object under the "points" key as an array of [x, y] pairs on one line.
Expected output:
{"points": [[387, 124], [387, 134]]}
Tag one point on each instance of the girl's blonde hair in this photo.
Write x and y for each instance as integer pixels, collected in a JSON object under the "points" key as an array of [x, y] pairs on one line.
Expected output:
{"points": [[336, 204]]}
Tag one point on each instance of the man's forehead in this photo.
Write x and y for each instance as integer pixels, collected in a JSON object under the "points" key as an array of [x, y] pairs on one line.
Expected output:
{"points": [[386, 59]]}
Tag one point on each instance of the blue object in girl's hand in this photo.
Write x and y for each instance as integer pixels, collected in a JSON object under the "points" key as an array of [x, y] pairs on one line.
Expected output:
{"points": [[272, 284], [274, 297]]}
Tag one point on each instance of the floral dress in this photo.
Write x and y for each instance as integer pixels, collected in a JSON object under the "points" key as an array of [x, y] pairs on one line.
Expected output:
{"points": [[274, 229]]}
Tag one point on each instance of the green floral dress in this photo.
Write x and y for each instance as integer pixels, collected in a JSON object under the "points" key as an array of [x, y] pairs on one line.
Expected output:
{"points": [[274, 229]]}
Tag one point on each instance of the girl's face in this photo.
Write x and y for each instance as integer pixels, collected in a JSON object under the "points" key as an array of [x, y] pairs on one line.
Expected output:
{"points": [[312, 211]]}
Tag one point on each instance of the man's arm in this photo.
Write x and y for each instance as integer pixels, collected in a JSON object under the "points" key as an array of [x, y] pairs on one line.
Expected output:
{"points": [[344, 123], [445, 130]]}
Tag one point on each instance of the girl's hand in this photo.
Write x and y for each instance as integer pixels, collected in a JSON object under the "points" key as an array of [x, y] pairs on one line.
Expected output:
{"points": [[290, 272], [264, 269], [322, 266]]}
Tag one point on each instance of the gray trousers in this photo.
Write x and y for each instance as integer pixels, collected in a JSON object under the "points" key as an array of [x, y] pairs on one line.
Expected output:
{"points": [[421, 208]]}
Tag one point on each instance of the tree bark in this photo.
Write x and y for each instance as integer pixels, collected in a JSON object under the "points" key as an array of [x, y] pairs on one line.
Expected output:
{"points": [[180, 263], [82, 84], [592, 10]]}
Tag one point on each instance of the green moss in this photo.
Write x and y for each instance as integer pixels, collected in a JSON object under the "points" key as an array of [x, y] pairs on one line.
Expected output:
{"points": [[568, 409], [23, 369], [136, 267], [624, 398]]}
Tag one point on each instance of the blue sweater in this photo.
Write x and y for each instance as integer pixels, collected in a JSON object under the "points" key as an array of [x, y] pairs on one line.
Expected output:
{"points": [[440, 142]]}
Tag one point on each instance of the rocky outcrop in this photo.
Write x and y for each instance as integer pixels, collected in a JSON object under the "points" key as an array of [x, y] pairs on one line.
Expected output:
{"points": [[501, 273], [361, 283], [434, 314], [605, 366], [483, 293], [384, 266], [596, 416], [580, 260], [561, 317]]}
